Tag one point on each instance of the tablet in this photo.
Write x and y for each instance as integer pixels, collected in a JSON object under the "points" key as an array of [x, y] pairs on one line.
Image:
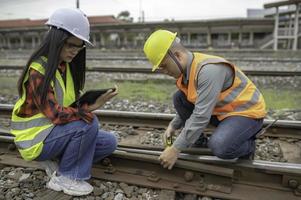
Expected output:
{"points": [[90, 97]]}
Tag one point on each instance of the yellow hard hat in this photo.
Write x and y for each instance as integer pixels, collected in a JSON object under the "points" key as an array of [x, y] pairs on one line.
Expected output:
{"points": [[157, 45]]}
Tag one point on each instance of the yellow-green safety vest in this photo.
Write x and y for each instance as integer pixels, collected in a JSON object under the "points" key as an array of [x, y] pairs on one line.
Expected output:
{"points": [[30, 132]]}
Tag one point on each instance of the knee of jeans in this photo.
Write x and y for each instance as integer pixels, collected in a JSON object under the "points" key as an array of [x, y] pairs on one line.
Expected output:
{"points": [[95, 120], [113, 142], [218, 148]]}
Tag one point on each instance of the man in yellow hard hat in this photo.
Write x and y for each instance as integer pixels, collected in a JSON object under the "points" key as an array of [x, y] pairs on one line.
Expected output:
{"points": [[210, 90]]}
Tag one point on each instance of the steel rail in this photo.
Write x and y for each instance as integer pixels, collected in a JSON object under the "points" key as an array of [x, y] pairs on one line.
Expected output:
{"points": [[233, 59], [282, 128], [255, 164], [147, 71], [5, 136], [144, 70]]}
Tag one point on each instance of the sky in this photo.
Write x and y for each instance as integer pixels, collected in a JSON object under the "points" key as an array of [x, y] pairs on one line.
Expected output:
{"points": [[154, 10]]}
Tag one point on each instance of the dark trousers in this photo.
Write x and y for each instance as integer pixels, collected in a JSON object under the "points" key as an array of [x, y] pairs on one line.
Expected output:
{"points": [[233, 137]]}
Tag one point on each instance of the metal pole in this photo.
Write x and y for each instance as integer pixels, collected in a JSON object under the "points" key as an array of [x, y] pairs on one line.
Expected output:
{"points": [[296, 26], [290, 27], [276, 29], [77, 4], [209, 41]]}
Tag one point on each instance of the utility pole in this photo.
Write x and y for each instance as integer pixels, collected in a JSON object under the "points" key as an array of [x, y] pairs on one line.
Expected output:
{"points": [[141, 12], [77, 4], [296, 27]]}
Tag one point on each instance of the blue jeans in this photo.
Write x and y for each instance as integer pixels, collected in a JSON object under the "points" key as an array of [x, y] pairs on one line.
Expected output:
{"points": [[233, 137], [77, 145]]}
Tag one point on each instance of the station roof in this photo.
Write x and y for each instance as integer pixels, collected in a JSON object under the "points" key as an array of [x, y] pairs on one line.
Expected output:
{"points": [[109, 23], [18, 23], [281, 3], [194, 23]]}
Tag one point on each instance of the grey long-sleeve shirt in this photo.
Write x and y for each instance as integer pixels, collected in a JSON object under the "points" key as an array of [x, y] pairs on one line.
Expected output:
{"points": [[211, 81]]}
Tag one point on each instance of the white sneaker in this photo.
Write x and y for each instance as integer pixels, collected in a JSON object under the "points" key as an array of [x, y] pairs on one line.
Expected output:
{"points": [[69, 186], [49, 166]]}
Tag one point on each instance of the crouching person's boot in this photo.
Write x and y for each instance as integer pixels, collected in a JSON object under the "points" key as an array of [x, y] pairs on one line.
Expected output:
{"points": [[202, 142]]}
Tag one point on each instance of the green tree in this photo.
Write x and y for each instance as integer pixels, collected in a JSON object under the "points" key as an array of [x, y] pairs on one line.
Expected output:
{"points": [[125, 16]]}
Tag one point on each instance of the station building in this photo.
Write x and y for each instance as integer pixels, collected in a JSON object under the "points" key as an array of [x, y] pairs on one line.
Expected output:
{"points": [[274, 27]]}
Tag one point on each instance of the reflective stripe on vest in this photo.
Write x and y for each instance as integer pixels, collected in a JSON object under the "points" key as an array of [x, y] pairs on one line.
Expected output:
{"points": [[18, 125], [24, 144], [58, 90], [242, 98], [31, 132], [234, 94]]}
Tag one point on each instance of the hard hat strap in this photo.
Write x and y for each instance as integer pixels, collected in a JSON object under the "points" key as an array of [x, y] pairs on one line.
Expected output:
{"points": [[173, 57]]}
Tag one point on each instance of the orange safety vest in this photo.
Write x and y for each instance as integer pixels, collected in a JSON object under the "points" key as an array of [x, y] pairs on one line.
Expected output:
{"points": [[242, 98]]}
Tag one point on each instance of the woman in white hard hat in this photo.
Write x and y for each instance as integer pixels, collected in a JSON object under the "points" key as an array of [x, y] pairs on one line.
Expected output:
{"points": [[45, 126]]}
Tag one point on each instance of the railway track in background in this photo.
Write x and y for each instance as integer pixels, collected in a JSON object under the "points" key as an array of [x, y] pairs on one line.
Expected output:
{"points": [[282, 128], [243, 56], [148, 70], [232, 59]]}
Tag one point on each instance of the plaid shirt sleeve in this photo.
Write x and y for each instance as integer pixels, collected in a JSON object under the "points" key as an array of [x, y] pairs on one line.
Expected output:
{"points": [[51, 109]]}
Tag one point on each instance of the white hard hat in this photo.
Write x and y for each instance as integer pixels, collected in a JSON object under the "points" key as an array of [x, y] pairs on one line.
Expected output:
{"points": [[72, 20]]}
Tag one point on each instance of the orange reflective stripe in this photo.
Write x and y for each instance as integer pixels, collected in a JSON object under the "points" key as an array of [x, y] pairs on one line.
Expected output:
{"points": [[237, 90]]}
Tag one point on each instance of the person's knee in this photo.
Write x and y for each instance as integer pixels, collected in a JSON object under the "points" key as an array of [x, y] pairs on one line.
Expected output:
{"points": [[221, 153], [91, 129], [111, 141], [114, 141], [94, 125], [219, 149]]}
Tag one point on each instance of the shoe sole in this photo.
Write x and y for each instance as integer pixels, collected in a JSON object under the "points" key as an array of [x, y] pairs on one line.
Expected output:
{"points": [[57, 188]]}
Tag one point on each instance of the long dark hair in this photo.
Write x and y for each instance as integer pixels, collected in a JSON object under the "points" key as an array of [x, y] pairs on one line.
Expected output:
{"points": [[51, 48]]}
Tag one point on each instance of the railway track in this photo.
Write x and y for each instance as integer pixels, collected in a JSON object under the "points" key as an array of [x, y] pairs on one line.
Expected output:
{"points": [[148, 70], [195, 174], [233, 59], [196, 171]]}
